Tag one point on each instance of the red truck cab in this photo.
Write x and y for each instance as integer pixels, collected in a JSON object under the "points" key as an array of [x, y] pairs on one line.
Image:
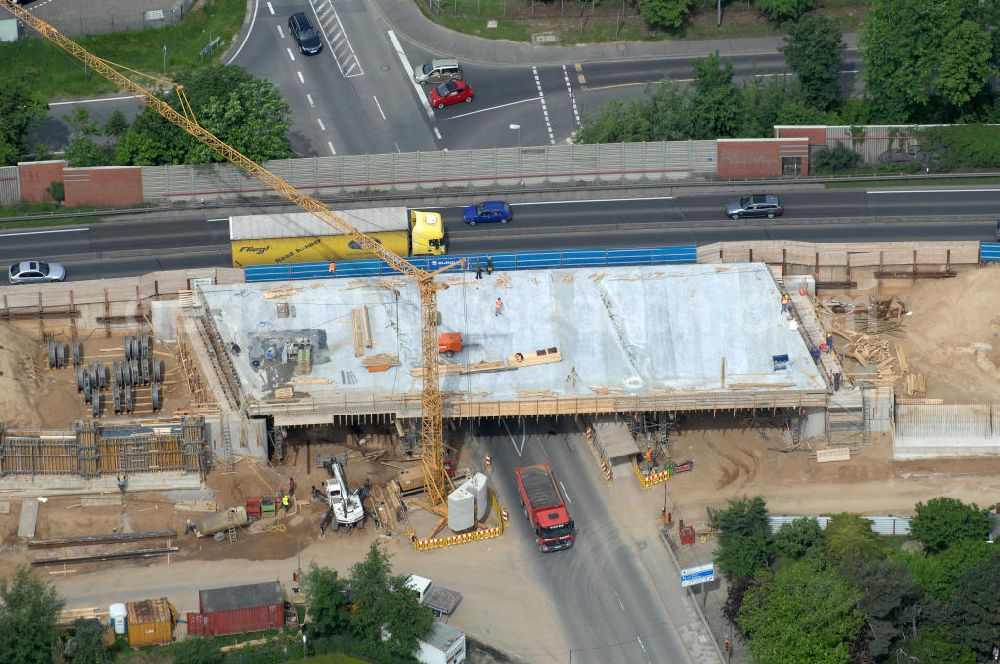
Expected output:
{"points": [[545, 507]]}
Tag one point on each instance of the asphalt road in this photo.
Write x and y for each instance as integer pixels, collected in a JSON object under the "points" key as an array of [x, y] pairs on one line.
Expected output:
{"points": [[611, 610], [116, 248]]}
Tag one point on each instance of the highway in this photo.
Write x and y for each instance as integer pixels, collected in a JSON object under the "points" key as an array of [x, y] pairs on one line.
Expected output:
{"points": [[615, 610], [198, 238]]}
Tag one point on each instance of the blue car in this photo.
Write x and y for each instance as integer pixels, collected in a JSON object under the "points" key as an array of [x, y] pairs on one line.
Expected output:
{"points": [[487, 212]]}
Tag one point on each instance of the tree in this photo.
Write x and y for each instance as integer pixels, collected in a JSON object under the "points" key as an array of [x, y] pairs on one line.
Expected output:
{"points": [[851, 534], [945, 521], [83, 148], [797, 538], [742, 549], [830, 160], [21, 110], [938, 575], [800, 613], [932, 646], [85, 646], [385, 602], [667, 14], [197, 650], [116, 124], [327, 597], [814, 50], [964, 69], [890, 600], [29, 608], [715, 111], [973, 612], [782, 10]]}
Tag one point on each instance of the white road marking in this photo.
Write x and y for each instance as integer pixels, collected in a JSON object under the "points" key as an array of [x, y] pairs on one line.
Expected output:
{"points": [[437, 133], [92, 101], [309, 98], [301, 80], [491, 108], [640, 643], [397, 146], [565, 493], [330, 145], [594, 200], [347, 61], [848, 71], [219, 219], [281, 33], [931, 191], [572, 97], [545, 110], [253, 21], [61, 230], [321, 125], [512, 441], [270, 8], [379, 107], [290, 54], [408, 72]]}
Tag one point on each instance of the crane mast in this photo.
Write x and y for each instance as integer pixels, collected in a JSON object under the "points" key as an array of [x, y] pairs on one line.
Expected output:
{"points": [[432, 452]]}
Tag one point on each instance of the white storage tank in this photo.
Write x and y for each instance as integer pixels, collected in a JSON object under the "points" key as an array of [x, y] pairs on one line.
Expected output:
{"points": [[461, 509], [478, 485], [117, 614]]}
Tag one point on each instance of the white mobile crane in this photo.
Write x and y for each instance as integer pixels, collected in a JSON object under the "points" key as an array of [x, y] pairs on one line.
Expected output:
{"points": [[345, 507]]}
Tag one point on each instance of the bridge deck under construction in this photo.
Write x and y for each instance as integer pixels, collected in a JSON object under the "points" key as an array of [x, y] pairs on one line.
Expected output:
{"points": [[691, 337]]}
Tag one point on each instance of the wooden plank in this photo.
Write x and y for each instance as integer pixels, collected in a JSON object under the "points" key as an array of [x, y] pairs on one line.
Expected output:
{"points": [[833, 454], [101, 501], [109, 538], [366, 327], [29, 519], [101, 557], [356, 335]]}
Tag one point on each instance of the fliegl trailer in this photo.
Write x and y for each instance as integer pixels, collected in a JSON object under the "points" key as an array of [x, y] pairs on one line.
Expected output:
{"points": [[300, 237]]}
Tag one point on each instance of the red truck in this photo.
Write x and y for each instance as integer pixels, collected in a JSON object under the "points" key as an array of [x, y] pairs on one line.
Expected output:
{"points": [[545, 508]]}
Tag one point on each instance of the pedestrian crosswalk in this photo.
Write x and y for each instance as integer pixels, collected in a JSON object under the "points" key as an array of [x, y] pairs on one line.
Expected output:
{"points": [[336, 38]]}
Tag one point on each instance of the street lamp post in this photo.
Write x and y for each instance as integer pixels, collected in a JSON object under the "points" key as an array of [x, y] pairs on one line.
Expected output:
{"points": [[517, 127]]}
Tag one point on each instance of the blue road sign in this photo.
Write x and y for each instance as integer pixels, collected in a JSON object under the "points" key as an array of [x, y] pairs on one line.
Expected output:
{"points": [[694, 575]]}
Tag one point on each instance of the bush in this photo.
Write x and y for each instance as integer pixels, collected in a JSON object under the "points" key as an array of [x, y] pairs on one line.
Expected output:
{"points": [[943, 522], [57, 190], [959, 147], [782, 10], [832, 160]]}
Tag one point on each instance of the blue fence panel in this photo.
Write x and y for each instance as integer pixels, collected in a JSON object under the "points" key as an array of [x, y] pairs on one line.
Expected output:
{"points": [[510, 261], [989, 251]]}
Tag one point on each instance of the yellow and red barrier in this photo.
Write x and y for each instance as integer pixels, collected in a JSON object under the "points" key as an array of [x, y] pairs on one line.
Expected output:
{"points": [[652, 479]]}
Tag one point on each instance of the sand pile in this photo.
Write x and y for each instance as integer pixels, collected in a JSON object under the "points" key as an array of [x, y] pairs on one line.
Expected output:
{"points": [[21, 377], [953, 335]]}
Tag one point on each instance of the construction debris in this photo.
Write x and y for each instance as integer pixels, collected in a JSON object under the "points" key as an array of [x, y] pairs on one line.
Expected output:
{"points": [[110, 538], [102, 557], [282, 291]]}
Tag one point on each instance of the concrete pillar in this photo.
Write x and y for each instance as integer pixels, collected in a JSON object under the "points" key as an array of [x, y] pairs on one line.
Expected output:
{"points": [[814, 423]]}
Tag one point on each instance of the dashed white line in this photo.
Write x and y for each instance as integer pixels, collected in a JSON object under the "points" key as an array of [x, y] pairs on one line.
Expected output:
{"points": [[545, 110], [61, 230], [407, 71], [565, 493], [930, 191], [290, 55], [572, 97], [329, 144], [640, 643], [321, 125], [379, 107], [301, 79], [218, 219], [281, 33], [437, 133], [596, 200], [270, 8], [309, 98]]}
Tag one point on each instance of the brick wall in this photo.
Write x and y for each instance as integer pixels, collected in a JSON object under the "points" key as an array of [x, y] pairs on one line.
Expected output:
{"points": [[104, 186], [759, 157], [816, 135], [36, 177]]}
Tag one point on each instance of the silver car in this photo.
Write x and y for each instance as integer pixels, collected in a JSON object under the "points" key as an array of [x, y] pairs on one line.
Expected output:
{"points": [[35, 272]]}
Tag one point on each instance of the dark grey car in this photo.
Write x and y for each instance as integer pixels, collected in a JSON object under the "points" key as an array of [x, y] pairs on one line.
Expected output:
{"points": [[304, 33], [756, 205]]}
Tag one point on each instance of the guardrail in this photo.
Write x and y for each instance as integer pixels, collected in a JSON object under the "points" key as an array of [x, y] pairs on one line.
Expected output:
{"points": [[989, 252], [509, 261]]}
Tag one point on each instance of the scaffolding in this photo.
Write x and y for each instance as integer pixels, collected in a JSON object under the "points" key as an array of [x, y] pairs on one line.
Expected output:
{"points": [[97, 448]]}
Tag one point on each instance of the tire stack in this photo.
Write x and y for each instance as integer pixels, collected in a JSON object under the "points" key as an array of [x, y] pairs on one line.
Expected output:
{"points": [[58, 353], [91, 379], [138, 369]]}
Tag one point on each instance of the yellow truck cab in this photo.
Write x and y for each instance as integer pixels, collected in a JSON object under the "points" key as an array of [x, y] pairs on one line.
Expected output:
{"points": [[426, 233]]}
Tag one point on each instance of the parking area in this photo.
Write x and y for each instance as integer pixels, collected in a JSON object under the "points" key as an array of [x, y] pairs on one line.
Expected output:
{"points": [[88, 17]]}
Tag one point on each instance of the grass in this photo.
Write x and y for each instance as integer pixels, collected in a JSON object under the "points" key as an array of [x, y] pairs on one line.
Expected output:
{"points": [[580, 22], [331, 659], [55, 75], [874, 184]]}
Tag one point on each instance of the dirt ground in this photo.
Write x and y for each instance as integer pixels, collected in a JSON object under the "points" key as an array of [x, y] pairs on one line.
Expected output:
{"points": [[32, 396]]}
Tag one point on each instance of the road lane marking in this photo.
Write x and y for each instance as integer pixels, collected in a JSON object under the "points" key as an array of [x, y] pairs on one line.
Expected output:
{"points": [[491, 108], [565, 493], [931, 191], [408, 72], [512, 441], [322, 126], [92, 101], [437, 133], [640, 643], [253, 21], [572, 98], [309, 98], [545, 109], [61, 230], [219, 219], [281, 33], [330, 24], [379, 107], [329, 144], [592, 200], [301, 80], [270, 8], [290, 54]]}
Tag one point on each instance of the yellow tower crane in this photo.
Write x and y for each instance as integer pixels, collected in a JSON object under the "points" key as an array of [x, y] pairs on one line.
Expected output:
{"points": [[432, 453]]}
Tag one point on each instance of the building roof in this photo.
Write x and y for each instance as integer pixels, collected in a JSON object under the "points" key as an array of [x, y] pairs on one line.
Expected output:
{"points": [[442, 635], [647, 332], [240, 597]]}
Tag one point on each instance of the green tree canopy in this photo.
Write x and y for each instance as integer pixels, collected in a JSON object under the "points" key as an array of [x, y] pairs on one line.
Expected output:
{"points": [[385, 602], [743, 543], [964, 69], [782, 10], [814, 50], [715, 110], [797, 538], [85, 646], [800, 613], [848, 534], [945, 521], [197, 650], [932, 646], [667, 14], [20, 110], [84, 148], [328, 602], [29, 609], [890, 600], [973, 611], [938, 575]]}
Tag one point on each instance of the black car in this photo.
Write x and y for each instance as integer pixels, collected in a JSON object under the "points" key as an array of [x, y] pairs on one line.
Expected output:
{"points": [[302, 29], [756, 205]]}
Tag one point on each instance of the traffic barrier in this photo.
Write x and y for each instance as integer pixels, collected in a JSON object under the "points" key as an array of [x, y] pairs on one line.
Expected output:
{"points": [[606, 470], [503, 515], [489, 462], [652, 479]]}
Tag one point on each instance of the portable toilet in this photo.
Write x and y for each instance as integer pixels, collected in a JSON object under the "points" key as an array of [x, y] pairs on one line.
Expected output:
{"points": [[116, 618]]}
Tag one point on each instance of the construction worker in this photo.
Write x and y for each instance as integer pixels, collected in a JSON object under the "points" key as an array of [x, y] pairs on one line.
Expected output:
{"points": [[489, 265], [479, 270], [190, 526], [498, 307], [284, 502], [122, 483], [291, 487], [785, 299]]}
